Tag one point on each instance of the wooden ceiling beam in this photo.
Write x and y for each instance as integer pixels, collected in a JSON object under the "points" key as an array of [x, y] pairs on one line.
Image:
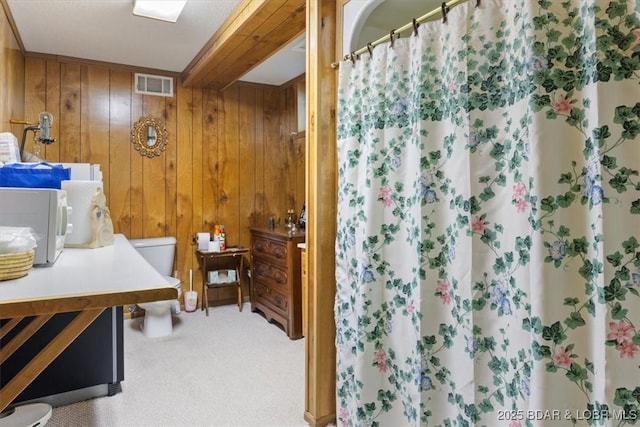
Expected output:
{"points": [[263, 43], [254, 31]]}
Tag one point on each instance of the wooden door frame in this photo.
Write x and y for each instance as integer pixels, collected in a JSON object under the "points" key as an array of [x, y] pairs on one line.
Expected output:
{"points": [[321, 193]]}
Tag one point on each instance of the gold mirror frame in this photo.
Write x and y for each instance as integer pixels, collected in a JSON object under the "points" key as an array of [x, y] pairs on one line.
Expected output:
{"points": [[149, 137]]}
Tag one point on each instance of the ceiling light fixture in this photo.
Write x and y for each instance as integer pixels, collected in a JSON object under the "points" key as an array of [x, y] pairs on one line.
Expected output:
{"points": [[164, 10]]}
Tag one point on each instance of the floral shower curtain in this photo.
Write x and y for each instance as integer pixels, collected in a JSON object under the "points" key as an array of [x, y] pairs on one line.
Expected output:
{"points": [[488, 247]]}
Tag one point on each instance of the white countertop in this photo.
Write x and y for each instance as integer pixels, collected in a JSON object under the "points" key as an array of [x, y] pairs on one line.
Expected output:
{"points": [[81, 272]]}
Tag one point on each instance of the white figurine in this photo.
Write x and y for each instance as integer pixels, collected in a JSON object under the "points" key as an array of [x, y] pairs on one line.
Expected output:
{"points": [[101, 224]]}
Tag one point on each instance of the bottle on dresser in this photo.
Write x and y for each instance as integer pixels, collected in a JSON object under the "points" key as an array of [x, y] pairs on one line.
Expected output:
{"points": [[223, 238]]}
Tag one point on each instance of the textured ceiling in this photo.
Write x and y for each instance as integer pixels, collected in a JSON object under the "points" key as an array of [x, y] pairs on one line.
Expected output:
{"points": [[107, 31]]}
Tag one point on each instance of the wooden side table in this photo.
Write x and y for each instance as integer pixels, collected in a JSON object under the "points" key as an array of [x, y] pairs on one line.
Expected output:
{"points": [[205, 259]]}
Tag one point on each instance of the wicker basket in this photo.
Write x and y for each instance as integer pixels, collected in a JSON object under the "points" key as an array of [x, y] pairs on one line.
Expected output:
{"points": [[16, 264]]}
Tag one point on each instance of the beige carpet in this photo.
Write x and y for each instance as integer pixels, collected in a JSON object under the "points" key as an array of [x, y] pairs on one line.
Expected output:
{"points": [[229, 369]]}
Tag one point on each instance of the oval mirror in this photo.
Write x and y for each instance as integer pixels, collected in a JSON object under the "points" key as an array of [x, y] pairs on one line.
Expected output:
{"points": [[149, 136]]}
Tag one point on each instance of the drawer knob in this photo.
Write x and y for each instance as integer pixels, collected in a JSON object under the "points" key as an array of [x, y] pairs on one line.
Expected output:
{"points": [[280, 278], [279, 252]]}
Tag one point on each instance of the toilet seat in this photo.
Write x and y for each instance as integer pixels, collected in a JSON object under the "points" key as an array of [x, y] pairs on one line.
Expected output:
{"points": [[174, 283], [172, 280]]}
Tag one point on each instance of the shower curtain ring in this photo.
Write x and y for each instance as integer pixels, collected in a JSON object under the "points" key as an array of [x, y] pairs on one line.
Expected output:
{"points": [[415, 26], [353, 57], [370, 49], [445, 9], [392, 33], [477, 3]]}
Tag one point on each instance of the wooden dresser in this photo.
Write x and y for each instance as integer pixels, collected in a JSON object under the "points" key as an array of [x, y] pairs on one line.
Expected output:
{"points": [[276, 288]]}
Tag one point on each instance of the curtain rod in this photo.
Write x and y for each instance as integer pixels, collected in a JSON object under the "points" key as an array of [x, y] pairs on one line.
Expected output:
{"points": [[444, 7]]}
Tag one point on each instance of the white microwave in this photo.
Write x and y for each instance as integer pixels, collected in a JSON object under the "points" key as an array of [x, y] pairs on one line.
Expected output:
{"points": [[45, 211]]}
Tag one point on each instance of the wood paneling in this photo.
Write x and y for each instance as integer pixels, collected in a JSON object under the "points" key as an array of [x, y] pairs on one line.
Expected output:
{"points": [[11, 77], [184, 178], [247, 136], [35, 72], [68, 140], [226, 150], [119, 150], [53, 103]]}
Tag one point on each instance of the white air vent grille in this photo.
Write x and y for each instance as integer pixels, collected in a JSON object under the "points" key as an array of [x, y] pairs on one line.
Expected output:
{"points": [[154, 85]]}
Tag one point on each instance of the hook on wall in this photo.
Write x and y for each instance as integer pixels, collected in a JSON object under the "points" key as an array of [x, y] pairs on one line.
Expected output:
{"points": [[43, 126]]}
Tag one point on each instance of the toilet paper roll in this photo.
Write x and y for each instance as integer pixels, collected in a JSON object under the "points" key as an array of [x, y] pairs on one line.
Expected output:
{"points": [[79, 194], [203, 241], [214, 246]]}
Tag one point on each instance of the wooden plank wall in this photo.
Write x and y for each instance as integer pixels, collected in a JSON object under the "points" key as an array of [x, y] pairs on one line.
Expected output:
{"points": [[11, 79], [229, 158], [296, 141]]}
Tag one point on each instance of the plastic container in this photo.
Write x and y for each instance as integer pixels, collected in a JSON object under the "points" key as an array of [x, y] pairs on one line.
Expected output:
{"points": [[223, 238], [190, 301]]}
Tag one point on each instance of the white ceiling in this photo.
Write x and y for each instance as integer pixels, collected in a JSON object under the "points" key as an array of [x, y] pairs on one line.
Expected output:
{"points": [[286, 64], [107, 31]]}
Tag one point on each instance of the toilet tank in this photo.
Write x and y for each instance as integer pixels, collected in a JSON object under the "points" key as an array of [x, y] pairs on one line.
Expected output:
{"points": [[158, 251]]}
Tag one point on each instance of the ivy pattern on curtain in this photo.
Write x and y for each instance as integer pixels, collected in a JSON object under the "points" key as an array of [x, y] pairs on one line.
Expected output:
{"points": [[488, 254]]}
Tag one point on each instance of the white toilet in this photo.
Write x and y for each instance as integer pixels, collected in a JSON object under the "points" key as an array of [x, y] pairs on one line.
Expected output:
{"points": [[159, 252]]}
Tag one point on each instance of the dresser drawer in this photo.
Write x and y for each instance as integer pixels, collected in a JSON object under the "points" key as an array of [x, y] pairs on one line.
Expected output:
{"points": [[276, 251], [271, 297], [271, 275], [275, 278]]}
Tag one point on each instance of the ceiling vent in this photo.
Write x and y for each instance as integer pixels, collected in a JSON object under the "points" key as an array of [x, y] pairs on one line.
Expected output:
{"points": [[148, 84]]}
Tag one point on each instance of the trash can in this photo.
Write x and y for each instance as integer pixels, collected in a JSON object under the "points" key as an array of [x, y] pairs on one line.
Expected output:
{"points": [[190, 301]]}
